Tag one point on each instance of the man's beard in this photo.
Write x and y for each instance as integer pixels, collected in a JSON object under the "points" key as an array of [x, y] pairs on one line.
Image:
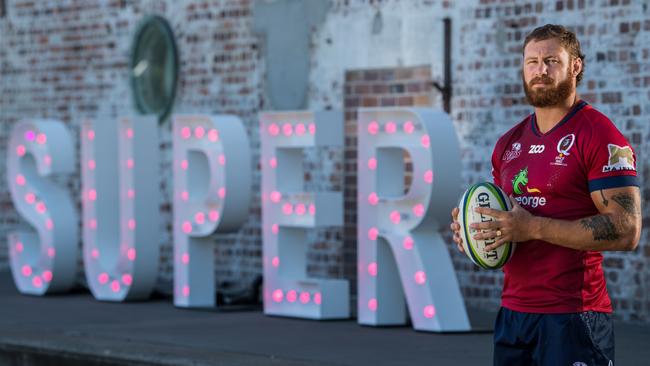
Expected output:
{"points": [[547, 97]]}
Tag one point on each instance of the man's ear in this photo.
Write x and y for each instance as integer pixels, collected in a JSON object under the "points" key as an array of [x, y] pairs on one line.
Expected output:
{"points": [[576, 66]]}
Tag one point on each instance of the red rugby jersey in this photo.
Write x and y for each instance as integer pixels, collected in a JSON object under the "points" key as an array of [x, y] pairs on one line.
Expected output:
{"points": [[552, 175]]}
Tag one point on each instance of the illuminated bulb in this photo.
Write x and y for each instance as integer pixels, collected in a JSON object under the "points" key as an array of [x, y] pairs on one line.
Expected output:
{"points": [[185, 195], [372, 163], [20, 150], [20, 180], [300, 209], [199, 132], [131, 224], [199, 218], [127, 279], [420, 277], [312, 209], [278, 295], [300, 129], [287, 129], [92, 224], [318, 298], [287, 209], [37, 281], [41, 138], [373, 233], [292, 296], [408, 127], [222, 192], [304, 297], [49, 224], [275, 228], [30, 198], [213, 135], [91, 164], [373, 199], [373, 127], [213, 215], [186, 291], [103, 278], [115, 286], [90, 135], [51, 252], [426, 142], [390, 127], [395, 217], [129, 133], [47, 160], [29, 135], [94, 253], [92, 195], [418, 210], [429, 311], [19, 247], [428, 176], [408, 243], [131, 254], [312, 129], [273, 163], [185, 258], [372, 269], [47, 276], [130, 163], [372, 304], [184, 164], [276, 196], [222, 159], [130, 193], [274, 130], [26, 270], [186, 132], [187, 227]]}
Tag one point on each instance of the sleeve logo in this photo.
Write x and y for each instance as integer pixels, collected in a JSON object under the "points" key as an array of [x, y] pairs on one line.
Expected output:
{"points": [[620, 158]]}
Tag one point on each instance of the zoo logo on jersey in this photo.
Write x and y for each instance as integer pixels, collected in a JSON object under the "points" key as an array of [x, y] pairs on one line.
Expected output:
{"points": [[513, 153], [563, 146], [620, 158]]}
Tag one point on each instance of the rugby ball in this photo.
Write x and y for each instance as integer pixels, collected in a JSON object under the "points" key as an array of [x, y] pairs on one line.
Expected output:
{"points": [[483, 195]]}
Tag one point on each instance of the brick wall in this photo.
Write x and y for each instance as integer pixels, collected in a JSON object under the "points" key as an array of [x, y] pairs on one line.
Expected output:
{"points": [[69, 60]]}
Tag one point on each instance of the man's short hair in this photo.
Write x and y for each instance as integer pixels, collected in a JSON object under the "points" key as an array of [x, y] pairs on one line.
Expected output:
{"points": [[567, 39]]}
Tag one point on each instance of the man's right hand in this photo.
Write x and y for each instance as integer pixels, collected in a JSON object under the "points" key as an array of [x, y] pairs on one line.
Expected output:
{"points": [[455, 228]]}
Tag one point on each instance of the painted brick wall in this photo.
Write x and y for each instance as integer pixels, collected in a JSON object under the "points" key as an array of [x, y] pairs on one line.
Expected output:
{"points": [[69, 60]]}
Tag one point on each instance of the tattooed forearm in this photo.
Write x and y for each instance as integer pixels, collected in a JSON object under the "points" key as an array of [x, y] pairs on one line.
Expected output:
{"points": [[626, 201], [601, 227], [605, 201]]}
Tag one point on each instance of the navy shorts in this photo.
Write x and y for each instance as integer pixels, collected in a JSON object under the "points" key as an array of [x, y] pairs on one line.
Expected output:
{"points": [[574, 339]]}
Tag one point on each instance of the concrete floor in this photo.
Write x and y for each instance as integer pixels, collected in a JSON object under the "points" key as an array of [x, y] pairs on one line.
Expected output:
{"points": [[75, 329]]}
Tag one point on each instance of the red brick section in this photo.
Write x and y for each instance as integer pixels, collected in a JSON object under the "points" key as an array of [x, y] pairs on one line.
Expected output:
{"points": [[391, 87]]}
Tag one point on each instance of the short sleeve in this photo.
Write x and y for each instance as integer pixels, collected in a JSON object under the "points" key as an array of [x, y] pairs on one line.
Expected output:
{"points": [[496, 165], [609, 158]]}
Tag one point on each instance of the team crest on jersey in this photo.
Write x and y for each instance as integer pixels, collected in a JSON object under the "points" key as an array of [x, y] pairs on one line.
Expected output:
{"points": [[563, 146], [513, 153], [620, 158]]}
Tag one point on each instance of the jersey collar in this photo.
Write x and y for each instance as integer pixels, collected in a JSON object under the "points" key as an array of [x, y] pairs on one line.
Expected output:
{"points": [[533, 119]]}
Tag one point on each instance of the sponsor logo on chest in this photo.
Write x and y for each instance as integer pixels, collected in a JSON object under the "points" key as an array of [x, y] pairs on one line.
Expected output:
{"points": [[563, 146]]}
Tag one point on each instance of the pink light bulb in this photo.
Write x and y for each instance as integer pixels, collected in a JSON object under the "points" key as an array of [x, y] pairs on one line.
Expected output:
{"points": [[275, 262], [312, 129], [373, 128], [30, 135], [199, 132], [222, 192], [47, 276], [94, 253], [92, 194], [300, 209], [420, 277], [409, 127], [372, 163], [287, 129], [127, 279], [30, 198], [312, 209], [373, 199], [185, 258], [287, 209], [278, 295], [426, 141], [26, 270], [41, 138], [131, 224], [213, 215], [20, 150], [91, 164], [429, 311], [274, 130], [213, 135], [184, 164], [131, 254], [185, 196], [372, 304], [187, 227], [418, 210], [318, 299], [130, 193], [115, 286], [390, 127], [292, 296], [51, 252], [300, 129], [103, 278], [199, 218], [275, 228], [186, 291], [273, 163], [372, 269], [19, 247], [91, 135], [222, 159], [130, 163], [408, 243], [49, 224], [37, 281], [304, 297], [20, 180], [186, 132], [373, 233], [395, 217], [428, 176], [129, 133], [92, 224], [47, 160], [276, 196]]}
